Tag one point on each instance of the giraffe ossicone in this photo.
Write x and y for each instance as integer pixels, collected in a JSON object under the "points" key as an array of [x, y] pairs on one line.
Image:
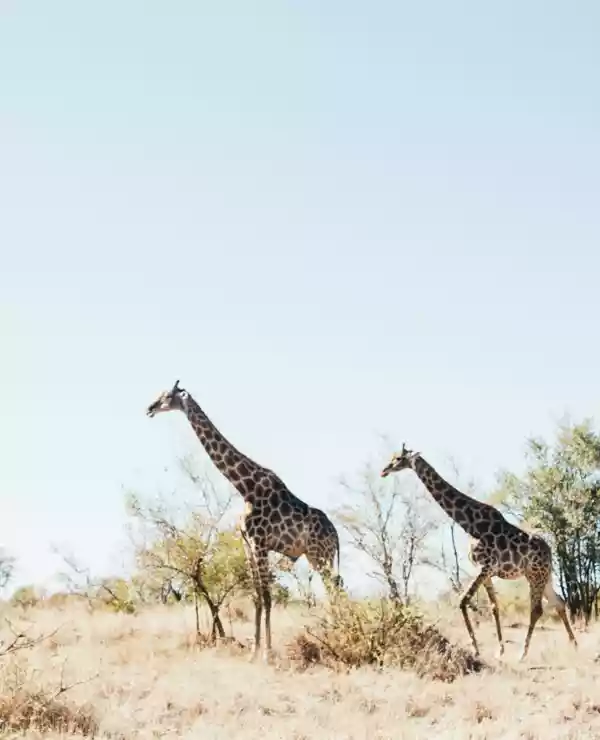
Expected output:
{"points": [[274, 519], [499, 548]]}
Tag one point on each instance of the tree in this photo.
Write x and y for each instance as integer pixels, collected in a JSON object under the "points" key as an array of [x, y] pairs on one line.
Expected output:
{"points": [[116, 593], [559, 493], [190, 552], [26, 597], [7, 568], [390, 523]]}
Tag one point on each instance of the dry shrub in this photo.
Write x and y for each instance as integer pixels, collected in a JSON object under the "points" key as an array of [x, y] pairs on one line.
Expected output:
{"points": [[304, 651], [23, 710], [382, 634]]}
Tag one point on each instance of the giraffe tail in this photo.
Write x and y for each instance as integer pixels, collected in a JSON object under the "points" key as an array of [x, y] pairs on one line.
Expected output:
{"points": [[337, 580]]}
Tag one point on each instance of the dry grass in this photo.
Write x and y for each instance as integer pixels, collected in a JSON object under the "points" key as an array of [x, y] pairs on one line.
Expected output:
{"points": [[144, 676]]}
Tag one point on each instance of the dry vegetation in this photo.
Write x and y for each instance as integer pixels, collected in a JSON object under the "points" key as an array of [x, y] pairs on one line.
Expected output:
{"points": [[145, 675]]}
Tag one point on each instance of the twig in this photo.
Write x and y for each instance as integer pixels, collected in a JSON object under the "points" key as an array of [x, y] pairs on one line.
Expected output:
{"points": [[327, 646], [21, 640], [63, 688]]}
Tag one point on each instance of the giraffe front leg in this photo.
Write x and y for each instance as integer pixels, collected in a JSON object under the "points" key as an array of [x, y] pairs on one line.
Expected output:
{"points": [[464, 604], [264, 587], [254, 572], [491, 592]]}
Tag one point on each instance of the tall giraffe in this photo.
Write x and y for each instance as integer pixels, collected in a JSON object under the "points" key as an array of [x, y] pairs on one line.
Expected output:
{"points": [[274, 518], [499, 548]]}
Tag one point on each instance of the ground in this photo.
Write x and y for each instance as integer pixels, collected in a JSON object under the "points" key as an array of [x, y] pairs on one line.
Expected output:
{"points": [[143, 676]]}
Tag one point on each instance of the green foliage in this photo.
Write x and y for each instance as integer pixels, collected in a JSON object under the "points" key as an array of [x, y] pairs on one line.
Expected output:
{"points": [[559, 493], [280, 594], [181, 554], [25, 597], [188, 557], [117, 594]]}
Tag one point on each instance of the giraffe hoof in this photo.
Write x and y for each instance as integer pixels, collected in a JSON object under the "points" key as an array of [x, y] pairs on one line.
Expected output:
{"points": [[268, 657]]}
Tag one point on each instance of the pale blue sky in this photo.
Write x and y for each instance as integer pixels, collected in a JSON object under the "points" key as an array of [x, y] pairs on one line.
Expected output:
{"points": [[329, 220]]}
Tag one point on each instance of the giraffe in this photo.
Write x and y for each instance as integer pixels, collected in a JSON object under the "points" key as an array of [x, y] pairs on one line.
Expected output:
{"points": [[499, 548], [274, 518]]}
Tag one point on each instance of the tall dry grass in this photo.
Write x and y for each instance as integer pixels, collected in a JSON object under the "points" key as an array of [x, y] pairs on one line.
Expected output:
{"points": [[145, 676]]}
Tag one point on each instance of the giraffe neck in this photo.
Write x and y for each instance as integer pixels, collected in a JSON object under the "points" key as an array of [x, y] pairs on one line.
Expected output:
{"points": [[475, 517], [235, 466]]}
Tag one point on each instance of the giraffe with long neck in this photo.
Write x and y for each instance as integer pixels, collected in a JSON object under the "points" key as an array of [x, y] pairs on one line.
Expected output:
{"points": [[499, 548], [274, 518]]}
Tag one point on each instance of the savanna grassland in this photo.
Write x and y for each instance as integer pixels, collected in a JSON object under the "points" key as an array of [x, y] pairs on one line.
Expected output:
{"points": [[145, 675]]}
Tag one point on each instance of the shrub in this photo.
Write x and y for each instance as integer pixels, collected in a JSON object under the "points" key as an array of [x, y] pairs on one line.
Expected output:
{"points": [[23, 710], [384, 633]]}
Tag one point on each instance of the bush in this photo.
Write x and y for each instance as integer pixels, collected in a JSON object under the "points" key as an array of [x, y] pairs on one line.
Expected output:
{"points": [[23, 710], [25, 597], [382, 634]]}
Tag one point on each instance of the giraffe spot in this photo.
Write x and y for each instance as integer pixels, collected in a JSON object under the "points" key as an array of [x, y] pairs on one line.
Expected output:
{"points": [[276, 517], [243, 469], [285, 509], [502, 542], [287, 537]]}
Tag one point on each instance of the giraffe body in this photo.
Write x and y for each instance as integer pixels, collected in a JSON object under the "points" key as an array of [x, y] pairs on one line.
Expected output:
{"points": [[274, 519], [498, 548]]}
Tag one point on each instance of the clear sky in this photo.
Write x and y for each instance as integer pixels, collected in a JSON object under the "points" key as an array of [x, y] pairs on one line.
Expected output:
{"points": [[329, 220]]}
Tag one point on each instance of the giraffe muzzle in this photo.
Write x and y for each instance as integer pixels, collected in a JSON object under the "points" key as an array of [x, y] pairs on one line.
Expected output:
{"points": [[151, 410]]}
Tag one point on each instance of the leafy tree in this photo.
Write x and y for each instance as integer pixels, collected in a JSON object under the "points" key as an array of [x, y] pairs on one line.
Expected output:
{"points": [[189, 556], [559, 493], [26, 597]]}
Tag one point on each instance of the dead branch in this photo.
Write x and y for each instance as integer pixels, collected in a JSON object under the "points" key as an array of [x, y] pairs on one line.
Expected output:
{"points": [[21, 640]]}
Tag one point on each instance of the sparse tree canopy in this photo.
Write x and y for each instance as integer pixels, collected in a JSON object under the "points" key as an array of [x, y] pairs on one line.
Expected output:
{"points": [[390, 523], [7, 568], [559, 494]]}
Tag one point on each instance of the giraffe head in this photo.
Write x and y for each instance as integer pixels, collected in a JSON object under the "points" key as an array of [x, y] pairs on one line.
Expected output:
{"points": [[171, 400], [400, 461]]}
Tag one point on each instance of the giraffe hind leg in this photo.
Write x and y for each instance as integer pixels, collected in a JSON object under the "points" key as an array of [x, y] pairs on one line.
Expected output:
{"points": [[480, 578], [536, 591], [558, 603], [491, 592]]}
